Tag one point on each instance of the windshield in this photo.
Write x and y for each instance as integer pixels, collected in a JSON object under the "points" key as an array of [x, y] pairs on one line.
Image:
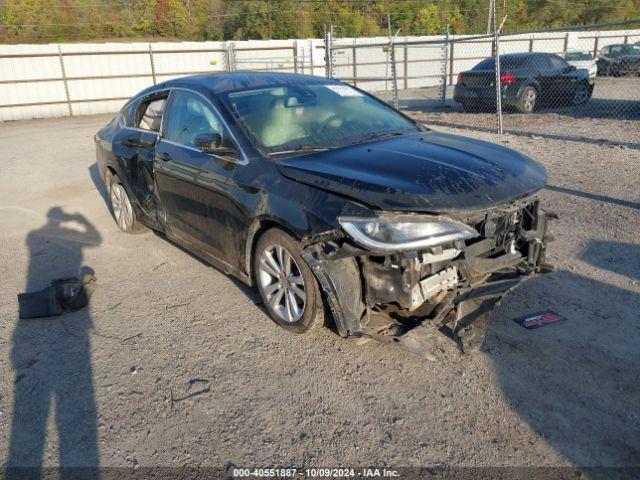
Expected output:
{"points": [[577, 56], [285, 119], [630, 50]]}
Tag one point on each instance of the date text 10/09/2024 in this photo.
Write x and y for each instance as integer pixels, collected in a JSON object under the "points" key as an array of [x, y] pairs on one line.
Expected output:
{"points": [[315, 472]]}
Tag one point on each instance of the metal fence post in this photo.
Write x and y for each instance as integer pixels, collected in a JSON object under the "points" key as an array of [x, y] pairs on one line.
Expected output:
{"points": [[392, 59], [355, 64], [328, 51], [405, 53], [153, 65], [229, 57], [451, 64], [295, 56], [496, 43], [445, 63], [64, 79]]}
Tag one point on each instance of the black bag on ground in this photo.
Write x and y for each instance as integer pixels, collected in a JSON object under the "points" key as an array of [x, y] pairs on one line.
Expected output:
{"points": [[63, 294]]}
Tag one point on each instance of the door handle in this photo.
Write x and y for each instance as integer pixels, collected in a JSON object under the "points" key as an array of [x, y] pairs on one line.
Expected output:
{"points": [[165, 157]]}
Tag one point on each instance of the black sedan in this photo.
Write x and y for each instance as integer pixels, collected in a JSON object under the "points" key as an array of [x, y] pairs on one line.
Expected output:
{"points": [[328, 200], [527, 80], [619, 60]]}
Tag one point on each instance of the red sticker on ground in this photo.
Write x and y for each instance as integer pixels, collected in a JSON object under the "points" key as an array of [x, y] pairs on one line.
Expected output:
{"points": [[539, 319]]}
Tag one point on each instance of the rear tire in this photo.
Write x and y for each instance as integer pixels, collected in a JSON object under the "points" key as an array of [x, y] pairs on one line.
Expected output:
{"points": [[288, 288], [124, 213], [528, 100]]}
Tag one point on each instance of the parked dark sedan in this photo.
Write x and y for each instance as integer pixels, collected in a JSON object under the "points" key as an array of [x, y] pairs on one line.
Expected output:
{"points": [[527, 80], [323, 196], [619, 60]]}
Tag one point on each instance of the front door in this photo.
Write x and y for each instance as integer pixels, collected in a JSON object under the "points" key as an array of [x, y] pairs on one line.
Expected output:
{"points": [[194, 185]]}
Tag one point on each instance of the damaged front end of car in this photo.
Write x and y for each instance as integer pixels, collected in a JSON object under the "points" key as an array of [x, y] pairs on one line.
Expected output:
{"points": [[427, 282]]}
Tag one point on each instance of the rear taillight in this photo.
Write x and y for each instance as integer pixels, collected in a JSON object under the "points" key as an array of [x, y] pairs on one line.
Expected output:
{"points": [[460, 78], [507, 78]]}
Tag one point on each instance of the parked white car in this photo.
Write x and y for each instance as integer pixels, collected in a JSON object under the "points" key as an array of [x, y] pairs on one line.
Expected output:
{"points": [[582, 59]]}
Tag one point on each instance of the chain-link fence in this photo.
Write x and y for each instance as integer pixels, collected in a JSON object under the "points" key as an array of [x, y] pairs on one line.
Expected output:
{"points": [[545, 79]]}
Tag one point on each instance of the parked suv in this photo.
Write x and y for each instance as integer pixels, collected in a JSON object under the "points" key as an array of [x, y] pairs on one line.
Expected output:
{"points": [[527, 80]]}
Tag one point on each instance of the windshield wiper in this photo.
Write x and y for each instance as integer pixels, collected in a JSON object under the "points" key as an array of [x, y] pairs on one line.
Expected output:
{"points": [[375, 136], [379, 135], [301, 150]]}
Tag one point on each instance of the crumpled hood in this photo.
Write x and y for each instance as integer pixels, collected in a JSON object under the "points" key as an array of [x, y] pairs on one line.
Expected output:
{"points": [[423, 172]]}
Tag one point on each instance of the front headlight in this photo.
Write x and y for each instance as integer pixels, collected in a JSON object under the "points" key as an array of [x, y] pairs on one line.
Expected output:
{"points": [[405, 232]]}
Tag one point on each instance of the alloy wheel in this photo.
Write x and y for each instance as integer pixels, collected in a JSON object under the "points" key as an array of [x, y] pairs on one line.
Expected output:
{"points": [[282, 283], [529, 100], [581, 94], [122, 209]]}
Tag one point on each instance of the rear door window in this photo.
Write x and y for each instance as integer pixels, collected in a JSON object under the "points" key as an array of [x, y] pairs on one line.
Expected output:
{"points": [[150, 114]]}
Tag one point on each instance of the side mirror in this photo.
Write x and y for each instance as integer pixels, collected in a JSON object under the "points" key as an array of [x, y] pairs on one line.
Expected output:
{"points": [[213, 144]]}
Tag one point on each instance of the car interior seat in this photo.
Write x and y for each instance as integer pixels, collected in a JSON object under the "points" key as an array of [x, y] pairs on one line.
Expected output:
{"points": [[152, 117], [280, 125]]}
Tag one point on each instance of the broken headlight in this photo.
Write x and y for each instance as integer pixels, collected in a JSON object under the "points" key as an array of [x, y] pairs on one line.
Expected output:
{"points": [[406, 232]]}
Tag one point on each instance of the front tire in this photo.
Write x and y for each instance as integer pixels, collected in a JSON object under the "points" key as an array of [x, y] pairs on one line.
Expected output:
{"points": [[528, 100], [583, 93], [286, 284], [123, 210]]}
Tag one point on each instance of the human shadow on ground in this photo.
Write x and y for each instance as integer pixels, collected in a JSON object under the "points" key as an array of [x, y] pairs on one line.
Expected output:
{"points": [[51, 358]]}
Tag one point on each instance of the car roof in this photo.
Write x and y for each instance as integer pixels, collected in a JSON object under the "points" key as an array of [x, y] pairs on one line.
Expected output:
{"points": [[527, 54], [219, 83]]}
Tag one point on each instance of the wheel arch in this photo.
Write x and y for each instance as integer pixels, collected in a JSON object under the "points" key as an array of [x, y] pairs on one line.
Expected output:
{"points": [[530, 83], [258, 228], [108, 172]]}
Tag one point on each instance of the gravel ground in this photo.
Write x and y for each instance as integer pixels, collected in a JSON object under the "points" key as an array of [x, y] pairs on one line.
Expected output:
{"points": [[119, 380]]}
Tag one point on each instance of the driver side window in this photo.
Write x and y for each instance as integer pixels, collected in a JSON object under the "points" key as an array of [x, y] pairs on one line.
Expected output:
{"points": [[190, 116]]}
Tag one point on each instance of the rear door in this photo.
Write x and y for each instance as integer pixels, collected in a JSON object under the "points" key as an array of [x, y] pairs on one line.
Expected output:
{"points": [[194, 185], [134, 148]]}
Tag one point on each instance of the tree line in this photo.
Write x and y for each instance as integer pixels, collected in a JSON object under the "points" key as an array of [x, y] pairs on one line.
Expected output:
{"points": [[26, 21]]}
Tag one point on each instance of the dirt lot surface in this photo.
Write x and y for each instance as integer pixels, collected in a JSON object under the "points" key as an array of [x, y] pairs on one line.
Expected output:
{"points": [[176, 364]]}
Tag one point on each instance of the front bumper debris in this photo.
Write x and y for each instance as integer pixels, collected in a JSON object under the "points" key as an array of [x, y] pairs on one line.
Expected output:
{"points": [[439, 299]]}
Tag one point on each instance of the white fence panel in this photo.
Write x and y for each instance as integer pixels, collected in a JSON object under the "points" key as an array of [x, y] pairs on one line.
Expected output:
{"points": [[100, 77]]}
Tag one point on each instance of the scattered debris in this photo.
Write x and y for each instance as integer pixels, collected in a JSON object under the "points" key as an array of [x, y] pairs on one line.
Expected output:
{"points": [[205, 388], [131, 337], [169, 307], [539, 319], [158, 266]]}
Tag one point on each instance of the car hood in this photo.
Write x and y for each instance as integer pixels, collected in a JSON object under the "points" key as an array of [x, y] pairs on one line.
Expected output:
{"points": [[422, 172], [582, 63]]}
